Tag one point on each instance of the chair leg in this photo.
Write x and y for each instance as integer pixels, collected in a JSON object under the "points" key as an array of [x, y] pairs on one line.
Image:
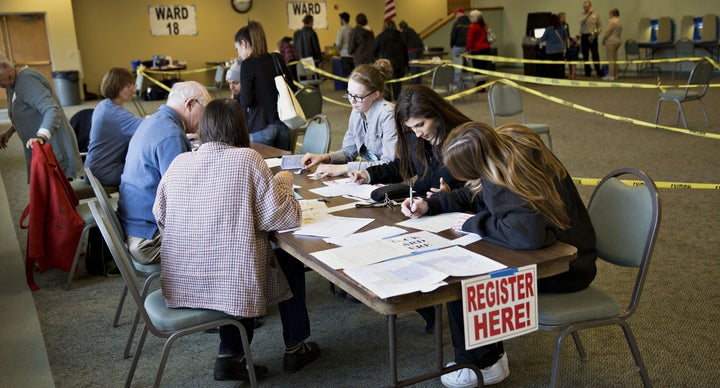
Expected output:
{"points": [[680, 113], [707, 120], [248, 355], [657, 111], [163, 359], [556, 358], [120, 306], [636, 354], [81, 243], [131, 373], [549, 141], [579, 346], [131, 336]]}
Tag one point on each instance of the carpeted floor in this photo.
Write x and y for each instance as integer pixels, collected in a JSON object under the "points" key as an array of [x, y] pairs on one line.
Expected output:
{"points": [[675, 326]]}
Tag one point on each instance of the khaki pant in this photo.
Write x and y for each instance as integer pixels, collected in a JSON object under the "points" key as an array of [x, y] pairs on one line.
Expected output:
{"points": [[145, 250]]}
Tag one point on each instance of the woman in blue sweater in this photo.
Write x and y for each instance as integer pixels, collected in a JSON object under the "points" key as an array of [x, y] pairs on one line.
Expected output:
{"points": [[554, 39]]}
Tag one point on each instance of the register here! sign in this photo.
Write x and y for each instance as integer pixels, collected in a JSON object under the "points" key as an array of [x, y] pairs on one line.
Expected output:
{"points": [[499, 306]]}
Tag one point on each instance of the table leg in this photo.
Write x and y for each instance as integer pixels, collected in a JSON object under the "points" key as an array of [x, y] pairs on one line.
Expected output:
{"points": [[393, 349]]}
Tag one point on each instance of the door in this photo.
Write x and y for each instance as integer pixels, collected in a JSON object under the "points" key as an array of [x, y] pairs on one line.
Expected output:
{"points": [[24, 41]]}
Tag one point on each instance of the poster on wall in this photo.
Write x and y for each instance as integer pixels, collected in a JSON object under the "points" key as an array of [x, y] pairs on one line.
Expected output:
{"points": [[172, 20], [297, 10]]}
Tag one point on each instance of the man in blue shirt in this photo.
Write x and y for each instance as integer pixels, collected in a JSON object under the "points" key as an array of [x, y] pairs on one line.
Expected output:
{"points": [[156, 143]]}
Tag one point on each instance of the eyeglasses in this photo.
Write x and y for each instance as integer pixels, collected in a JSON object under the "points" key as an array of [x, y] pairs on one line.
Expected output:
{"points": [[356, 99]]}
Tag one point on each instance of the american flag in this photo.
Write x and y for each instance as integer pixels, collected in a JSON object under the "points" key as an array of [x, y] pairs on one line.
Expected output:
{"points": [[389, 9]]}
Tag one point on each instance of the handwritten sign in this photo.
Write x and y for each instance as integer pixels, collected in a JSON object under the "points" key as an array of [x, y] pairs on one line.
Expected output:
{"points": [[297, 10], [500, 306], [172, 20]]}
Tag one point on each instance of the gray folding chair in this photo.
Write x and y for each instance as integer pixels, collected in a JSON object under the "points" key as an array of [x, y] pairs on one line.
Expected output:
{"points": [[442, 80], [626, 219], [505, 101], [699, 82], [317, 136], [306, 76], [684, 48], [149, 272], [310, 101], [137, 101], [163, 322]]}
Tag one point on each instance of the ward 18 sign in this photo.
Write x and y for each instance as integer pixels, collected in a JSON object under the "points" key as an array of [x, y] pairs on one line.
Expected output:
{"points": [[172, 20], [499, 306]]}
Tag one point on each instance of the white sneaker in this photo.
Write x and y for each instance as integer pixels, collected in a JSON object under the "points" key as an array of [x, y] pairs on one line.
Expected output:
{"points": [[465, 378]]}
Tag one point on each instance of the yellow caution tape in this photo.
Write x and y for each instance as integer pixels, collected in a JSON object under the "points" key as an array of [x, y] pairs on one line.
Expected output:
{"points": [[608, 115], [493, 58], [660, 185], [181, 71], [153, 80]]}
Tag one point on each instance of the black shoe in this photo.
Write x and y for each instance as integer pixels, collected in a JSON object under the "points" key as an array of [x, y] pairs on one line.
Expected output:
{"points": [[293, 362], [228, 368]]}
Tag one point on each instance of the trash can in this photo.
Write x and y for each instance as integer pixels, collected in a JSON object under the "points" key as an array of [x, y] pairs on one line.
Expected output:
{"points": [[66, 86]]}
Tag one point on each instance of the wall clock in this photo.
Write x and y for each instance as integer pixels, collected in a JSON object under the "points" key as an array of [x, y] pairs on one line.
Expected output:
{"points": [[241, 6]]}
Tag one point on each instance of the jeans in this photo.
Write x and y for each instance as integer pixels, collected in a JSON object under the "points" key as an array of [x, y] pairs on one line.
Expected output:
{"points": [[483, 356], [456, 51], [293, 312], [275, 134]]}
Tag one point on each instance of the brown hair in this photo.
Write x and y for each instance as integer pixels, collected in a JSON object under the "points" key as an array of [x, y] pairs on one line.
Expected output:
{"points": [[373, 76], [513, 156], [420, 101], [254, 35], [223, 120], [114, 81]]}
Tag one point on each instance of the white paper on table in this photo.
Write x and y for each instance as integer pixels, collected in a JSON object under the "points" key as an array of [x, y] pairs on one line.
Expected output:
{"points": [[435, 224], [369, 236], [420, 241], [273, 162], [333, 226], [469, 238], [355, 190], [396, 277], [312, 211], [350, 205], [354, 256], [457, 261]]}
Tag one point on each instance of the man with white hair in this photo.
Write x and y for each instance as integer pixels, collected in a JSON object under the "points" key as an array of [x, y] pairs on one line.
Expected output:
{"points": [[158, 140]]}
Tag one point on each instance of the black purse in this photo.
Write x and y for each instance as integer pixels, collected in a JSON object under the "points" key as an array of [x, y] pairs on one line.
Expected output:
{"points": [[394, 191]]}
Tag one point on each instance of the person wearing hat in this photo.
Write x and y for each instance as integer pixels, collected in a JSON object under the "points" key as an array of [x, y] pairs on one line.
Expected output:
{"points": [[232, 77], [458, 38]]}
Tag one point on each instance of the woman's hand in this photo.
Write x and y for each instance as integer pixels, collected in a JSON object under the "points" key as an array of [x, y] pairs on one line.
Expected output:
{"points": [[331, 169], [309, 160], [360, 177], [33, 140], [460, 222], [414, 207], [443, 187], [5, 137]]}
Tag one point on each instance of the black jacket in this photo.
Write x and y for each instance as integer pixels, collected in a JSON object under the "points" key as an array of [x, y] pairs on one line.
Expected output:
{"points": [[412, 39], [307, 44], [390, 172], [502, 217], [458, 34], [258, 94], [390, 45], [360, 45]]}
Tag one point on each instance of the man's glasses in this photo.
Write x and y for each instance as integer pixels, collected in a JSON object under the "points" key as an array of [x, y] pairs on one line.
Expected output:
{"points": [[355, 99]]}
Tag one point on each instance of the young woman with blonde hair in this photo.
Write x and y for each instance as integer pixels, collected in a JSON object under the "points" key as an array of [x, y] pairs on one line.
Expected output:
{"points": [[521, 197]]}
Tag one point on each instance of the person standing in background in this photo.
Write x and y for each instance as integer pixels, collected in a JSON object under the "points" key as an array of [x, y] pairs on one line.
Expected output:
{"points": [[36, 115], [342, 42], [458, 39], [477, 41], [554, 39], [391, 46], [612, 42], [306, 41], [590, 26], [361, 41], [414, 48]]}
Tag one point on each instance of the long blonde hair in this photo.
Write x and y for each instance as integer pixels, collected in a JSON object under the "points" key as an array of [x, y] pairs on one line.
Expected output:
{"points": [[513, 156]]}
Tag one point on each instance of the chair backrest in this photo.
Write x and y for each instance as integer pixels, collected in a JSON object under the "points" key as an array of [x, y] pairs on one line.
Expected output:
{"points": [[443, 77], [104, 200], [504, 101], [626, 219], [81, 122], [700, 75], [684, 47], [310, 100], [121, 256], [317, 136], [632, 48]]}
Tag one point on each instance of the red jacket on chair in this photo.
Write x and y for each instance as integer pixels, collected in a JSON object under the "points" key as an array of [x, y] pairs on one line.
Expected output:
{"points": [[54, 226]]}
